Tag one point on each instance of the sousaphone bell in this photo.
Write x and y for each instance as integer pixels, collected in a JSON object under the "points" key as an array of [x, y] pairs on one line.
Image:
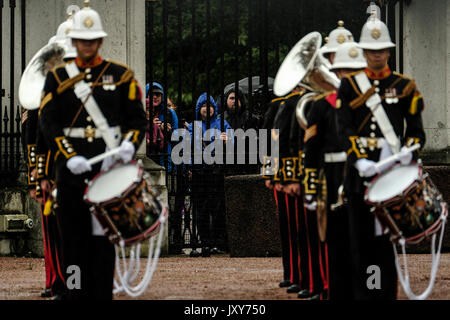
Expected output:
{"points": [[33, 78]]}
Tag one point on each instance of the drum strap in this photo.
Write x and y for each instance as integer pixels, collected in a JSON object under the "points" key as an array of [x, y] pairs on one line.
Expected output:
{"points": [[83, 92], [374, 104]]}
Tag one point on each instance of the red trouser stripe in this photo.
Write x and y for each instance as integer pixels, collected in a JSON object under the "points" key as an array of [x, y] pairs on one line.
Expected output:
{"points": [[51, 247], [58, 266], [322, 272], [290, 237], [50, 254], [298, 244], [311, 281], [276, 197], [46, 249], [327, 267]]}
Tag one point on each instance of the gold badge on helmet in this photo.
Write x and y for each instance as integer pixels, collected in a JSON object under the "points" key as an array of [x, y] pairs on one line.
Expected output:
{"points": [[341, 38], [88, 22], [353, 52], [376, 33]]}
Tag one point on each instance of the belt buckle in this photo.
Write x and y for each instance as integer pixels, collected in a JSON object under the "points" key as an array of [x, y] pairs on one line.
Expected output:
{"points": [[372, 143], [89, 133]]}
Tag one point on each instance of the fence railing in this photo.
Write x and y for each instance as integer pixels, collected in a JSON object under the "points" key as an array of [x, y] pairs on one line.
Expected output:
{"points": [[12, 24]]}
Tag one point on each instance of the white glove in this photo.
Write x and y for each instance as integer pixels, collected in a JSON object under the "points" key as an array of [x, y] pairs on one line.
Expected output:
{"points": [[404, 156], [78, 165], [366, 167], [309, 204], [126, 151]]}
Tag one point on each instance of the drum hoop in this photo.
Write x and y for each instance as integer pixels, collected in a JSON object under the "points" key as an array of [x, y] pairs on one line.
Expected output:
{"points": [[398, 197], [123, 194]]}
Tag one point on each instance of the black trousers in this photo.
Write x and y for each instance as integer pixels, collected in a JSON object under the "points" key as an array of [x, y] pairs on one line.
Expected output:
{"points": [[93, 256], [338, 246], [284, 235], [287, 208], [367, 252], [316, 279], [302, 252]]}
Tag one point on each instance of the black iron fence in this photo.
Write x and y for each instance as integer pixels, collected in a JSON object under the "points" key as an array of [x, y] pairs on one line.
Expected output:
{"points": [[12, 41], [211, 45]]}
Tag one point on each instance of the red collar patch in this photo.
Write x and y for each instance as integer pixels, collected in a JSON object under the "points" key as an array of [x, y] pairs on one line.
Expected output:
{"points": [[91, 64], [378, 75]]}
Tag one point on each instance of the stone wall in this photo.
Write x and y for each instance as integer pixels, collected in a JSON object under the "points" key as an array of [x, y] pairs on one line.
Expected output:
{"points": [[426, 30], [252, 221]]}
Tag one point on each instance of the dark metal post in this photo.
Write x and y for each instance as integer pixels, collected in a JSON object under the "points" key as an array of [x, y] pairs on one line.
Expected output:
{"points": [[149, 9], [264, 14], [236, 54], [208, 75], [24, 32], [194, 58], [250, 58], [2, 91], [180, 55], [400, 37], [223, 103], [12, 4]]}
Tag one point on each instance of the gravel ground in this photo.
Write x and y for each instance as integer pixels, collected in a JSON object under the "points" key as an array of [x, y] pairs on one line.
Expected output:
{"points": [[216, 278]]}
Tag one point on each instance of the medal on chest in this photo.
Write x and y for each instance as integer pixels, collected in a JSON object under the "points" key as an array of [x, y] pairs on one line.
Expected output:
{"points": [[108, 82], [391, 96]]}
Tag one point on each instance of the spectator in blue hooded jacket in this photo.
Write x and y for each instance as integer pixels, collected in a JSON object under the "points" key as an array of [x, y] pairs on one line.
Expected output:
{"points": [[208, 185], [159, 129], [214, 119]]}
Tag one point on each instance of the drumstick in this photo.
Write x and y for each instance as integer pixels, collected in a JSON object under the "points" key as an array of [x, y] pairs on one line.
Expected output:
{"points": [[394, 157], [107, 154]]}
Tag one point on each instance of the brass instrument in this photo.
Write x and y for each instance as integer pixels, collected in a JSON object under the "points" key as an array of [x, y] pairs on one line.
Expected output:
{"points": [[305, 66]]}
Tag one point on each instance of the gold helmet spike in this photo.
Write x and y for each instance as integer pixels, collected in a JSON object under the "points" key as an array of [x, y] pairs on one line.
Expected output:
{"points": [[340, 24], [86, 3]]}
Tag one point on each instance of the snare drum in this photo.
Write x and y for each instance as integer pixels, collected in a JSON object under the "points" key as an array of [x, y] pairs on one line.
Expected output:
{"points": [[124, 204], [407, 202]]}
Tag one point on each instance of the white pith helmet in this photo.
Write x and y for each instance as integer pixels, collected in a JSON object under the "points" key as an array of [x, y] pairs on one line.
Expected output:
{"points": [[62, 31], [349, 56], [337, 37], [87, 24], [375, 34]]}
